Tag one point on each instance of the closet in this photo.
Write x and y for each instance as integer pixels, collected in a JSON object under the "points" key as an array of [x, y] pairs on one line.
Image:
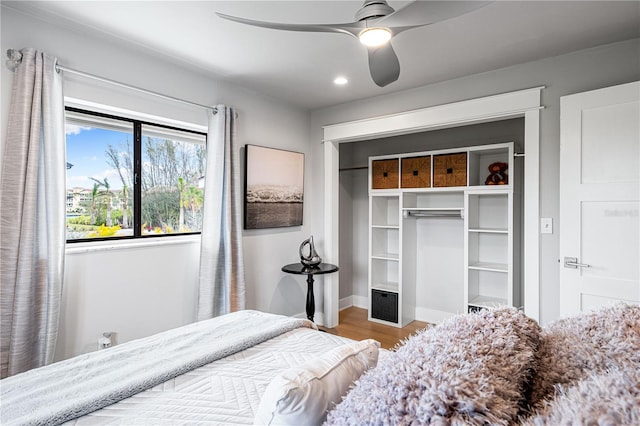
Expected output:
{"points": [[438, 241]]}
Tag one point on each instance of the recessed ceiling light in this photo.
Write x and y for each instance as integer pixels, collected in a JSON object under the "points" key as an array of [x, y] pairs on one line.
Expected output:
{"points": [[340, 81]]}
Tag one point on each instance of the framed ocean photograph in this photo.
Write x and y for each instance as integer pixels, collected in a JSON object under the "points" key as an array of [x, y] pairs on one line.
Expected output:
{"points": [[274, 187]]}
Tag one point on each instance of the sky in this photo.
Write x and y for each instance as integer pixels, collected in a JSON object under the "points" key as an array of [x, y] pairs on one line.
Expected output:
{"points": [[86, 147]]}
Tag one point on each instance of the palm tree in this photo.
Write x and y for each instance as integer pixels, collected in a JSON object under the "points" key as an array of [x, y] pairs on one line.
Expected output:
{"points": [[94, 194], [194, 199], [107, 193]]}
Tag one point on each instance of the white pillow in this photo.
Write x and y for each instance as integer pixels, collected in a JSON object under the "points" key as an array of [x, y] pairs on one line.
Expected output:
{"points": [[302, 395]]}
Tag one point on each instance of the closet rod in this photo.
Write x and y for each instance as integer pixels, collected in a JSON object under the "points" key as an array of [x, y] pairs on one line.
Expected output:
{"points": [[353, 168], [435, 214], [14, 58]]}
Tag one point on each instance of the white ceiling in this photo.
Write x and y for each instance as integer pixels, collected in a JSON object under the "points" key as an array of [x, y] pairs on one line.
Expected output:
{"points": [[300, 67]]}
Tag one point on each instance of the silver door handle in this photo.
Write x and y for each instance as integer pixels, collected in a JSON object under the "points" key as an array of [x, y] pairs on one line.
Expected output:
{"points": [[572, 262]]}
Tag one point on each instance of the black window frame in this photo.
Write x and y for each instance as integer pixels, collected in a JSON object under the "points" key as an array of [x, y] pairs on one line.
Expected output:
{"points": [[137, 173]]}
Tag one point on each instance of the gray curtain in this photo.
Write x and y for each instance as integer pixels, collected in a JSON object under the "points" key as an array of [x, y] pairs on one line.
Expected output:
{"points": [[222, 288], [32, 216]]}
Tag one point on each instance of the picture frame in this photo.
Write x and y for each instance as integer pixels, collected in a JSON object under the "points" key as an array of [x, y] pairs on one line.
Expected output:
{"points": [[274, 187]]}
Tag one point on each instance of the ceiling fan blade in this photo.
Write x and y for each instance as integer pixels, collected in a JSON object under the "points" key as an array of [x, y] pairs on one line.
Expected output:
{"points": [[383, 64], [352, 28], [420, 13]]}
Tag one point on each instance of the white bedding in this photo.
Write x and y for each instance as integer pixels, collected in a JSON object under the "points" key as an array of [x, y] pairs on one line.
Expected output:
{"points": [[68, 389], [224, 392]]}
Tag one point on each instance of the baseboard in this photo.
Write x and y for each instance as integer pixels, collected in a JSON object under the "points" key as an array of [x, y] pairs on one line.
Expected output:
{"points": [[360, 301], [355, 301], [345, 302], [432, 316]]}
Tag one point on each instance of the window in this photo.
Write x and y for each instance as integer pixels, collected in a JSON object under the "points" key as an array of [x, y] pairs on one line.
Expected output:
{"points": [[131, 179]]}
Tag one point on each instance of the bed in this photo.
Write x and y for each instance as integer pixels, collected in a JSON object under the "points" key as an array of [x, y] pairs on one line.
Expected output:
{"points": [[494, 367], [243, 368]]}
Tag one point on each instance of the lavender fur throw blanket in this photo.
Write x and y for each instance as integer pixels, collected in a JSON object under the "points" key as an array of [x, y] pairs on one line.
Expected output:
{"points": [[588, 370], [573, 348], [499, 367], [68, 389], [470, 369]]}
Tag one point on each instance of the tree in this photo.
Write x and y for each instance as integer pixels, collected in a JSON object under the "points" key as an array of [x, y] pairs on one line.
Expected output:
{"points": [[94, 194], [107, 194], [122, 162], [194, 199], [168, 170], [125, 215], [181, 188]]}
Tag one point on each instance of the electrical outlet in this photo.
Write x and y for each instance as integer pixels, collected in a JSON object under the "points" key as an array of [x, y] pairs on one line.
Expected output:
{"points": [[546, 225]]}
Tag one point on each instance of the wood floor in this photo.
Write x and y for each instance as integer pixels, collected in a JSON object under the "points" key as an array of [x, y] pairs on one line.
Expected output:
{"points": [[353, 324]]}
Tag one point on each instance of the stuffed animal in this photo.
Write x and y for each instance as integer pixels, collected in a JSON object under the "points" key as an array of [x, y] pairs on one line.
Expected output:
{"points": [[498, 174]]}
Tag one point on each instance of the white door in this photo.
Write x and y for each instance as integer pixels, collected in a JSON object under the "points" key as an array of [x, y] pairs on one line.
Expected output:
{"points": [[599, 198]]}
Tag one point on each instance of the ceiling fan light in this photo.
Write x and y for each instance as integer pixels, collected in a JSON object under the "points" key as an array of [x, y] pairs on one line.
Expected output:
{"points": [[375, 36]]}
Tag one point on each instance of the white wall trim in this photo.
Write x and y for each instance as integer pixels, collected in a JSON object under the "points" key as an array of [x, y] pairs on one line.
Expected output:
{"points": [[523, 103], [331, 238], [531, 214], [123, 112], [360, 301], [354, 301], [345, 302], [490, 108], [432, 316], [86, 247]]}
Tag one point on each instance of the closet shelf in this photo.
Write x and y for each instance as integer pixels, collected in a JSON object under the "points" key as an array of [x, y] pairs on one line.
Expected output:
{"points": [[487, 301], [386, 226], [385, 286], [489, 266], [490, 230], [386, 256]]}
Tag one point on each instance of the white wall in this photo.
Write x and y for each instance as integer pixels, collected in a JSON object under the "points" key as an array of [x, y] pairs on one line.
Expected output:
{"points": [[562, 75], [139, 291]]}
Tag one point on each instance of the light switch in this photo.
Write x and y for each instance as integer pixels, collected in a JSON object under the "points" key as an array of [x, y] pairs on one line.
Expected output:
{"points": [[546, 225]]}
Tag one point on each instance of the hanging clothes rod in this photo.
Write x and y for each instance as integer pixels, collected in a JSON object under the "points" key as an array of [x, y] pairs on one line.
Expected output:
{"points": [[451, 214], [14, 58], [344, 169]]}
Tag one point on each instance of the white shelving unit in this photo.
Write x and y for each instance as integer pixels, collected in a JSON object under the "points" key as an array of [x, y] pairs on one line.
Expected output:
{"points": [[384, 252], [489, 248], [472, 268]]}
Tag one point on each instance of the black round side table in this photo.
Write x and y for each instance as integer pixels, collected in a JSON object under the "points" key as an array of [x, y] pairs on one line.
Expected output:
{"points": [[310, 271]]}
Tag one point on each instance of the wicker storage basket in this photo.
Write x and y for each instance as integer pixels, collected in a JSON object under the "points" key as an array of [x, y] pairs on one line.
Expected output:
{"points": [[384, 174], [450, 170], [416, 172]]}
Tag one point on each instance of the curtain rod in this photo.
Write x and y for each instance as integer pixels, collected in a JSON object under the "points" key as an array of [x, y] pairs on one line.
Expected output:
{"points": [[14, 58]]}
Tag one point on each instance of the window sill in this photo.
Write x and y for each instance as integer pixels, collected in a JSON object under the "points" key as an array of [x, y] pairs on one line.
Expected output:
{"points": [[87, 247]]}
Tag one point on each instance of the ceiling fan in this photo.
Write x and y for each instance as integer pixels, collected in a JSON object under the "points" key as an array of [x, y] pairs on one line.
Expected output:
{"points": [[376, 23]]}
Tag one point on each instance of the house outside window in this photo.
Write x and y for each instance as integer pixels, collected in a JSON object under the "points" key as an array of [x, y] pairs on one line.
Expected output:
{"points": [[129, 178]]}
